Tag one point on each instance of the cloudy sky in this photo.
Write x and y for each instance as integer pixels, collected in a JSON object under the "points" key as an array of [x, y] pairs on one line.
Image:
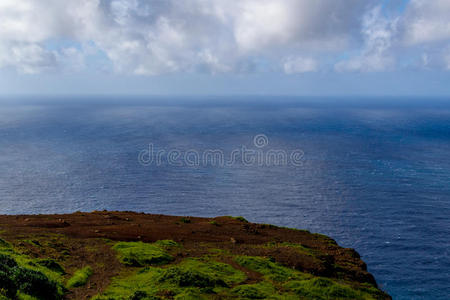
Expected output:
{"points": [[298, 47]]}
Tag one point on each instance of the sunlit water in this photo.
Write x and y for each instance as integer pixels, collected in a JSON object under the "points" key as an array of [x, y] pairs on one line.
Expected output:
{"points": [[375, 174]]}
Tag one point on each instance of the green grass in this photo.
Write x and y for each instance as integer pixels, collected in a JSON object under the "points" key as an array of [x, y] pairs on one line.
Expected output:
{"points": [[305, 286], [4, 243], [261, 290], [191, 279], [80, 277], [167, 244], [26, 278], [216, 273], [139, 254], [213, 222], [15, 278], [323, 288], [300, 248], [21, 296], [51, 264], [152, 273], [270, 270]]}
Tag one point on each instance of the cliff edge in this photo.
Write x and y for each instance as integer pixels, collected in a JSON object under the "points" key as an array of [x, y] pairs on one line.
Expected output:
{"points": [[127, 255]]}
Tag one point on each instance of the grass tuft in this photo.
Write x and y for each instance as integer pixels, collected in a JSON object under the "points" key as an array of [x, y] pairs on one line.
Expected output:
{"points": [[80, 277], [268, 268], [51, 264], [139, 254], [260, 290], [198, 273], [192, 278], [213, 222]]}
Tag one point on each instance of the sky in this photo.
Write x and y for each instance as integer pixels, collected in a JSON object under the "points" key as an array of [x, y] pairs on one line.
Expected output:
{"points": [[223, 47]]}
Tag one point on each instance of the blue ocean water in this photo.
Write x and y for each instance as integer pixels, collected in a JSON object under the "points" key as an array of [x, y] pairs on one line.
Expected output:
{"points": [[375, 173]]}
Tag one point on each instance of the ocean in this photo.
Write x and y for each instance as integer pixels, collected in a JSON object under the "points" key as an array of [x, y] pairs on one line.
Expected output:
{"points": [[374, 174]]}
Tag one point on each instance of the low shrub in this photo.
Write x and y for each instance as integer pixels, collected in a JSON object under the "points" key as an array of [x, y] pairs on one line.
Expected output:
{"points": [[8, 286], [15, 278], [36, 284], [7, 262], [4, 244], [139, 295]]}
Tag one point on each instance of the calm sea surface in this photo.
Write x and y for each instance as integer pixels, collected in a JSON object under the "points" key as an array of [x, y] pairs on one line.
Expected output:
{"points": [[375, 174]]}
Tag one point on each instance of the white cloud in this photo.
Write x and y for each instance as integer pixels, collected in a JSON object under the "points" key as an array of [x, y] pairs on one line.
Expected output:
{"points": [[152, 37], [163, 36], [28, 58], [219, 36], [300, 65], [27, 25], [426, 21], [426, 24], [378, 33], [446, 58]]}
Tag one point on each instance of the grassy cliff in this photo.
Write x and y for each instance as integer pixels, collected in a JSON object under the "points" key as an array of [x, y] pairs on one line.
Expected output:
{"points": [[124, 255]]}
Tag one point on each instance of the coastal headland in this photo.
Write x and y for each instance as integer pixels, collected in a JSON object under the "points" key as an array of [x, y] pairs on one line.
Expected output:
{"points": [[128, 255]]}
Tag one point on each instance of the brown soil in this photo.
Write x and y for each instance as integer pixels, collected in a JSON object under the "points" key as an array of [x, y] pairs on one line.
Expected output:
{"points": [[79, 239]]}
